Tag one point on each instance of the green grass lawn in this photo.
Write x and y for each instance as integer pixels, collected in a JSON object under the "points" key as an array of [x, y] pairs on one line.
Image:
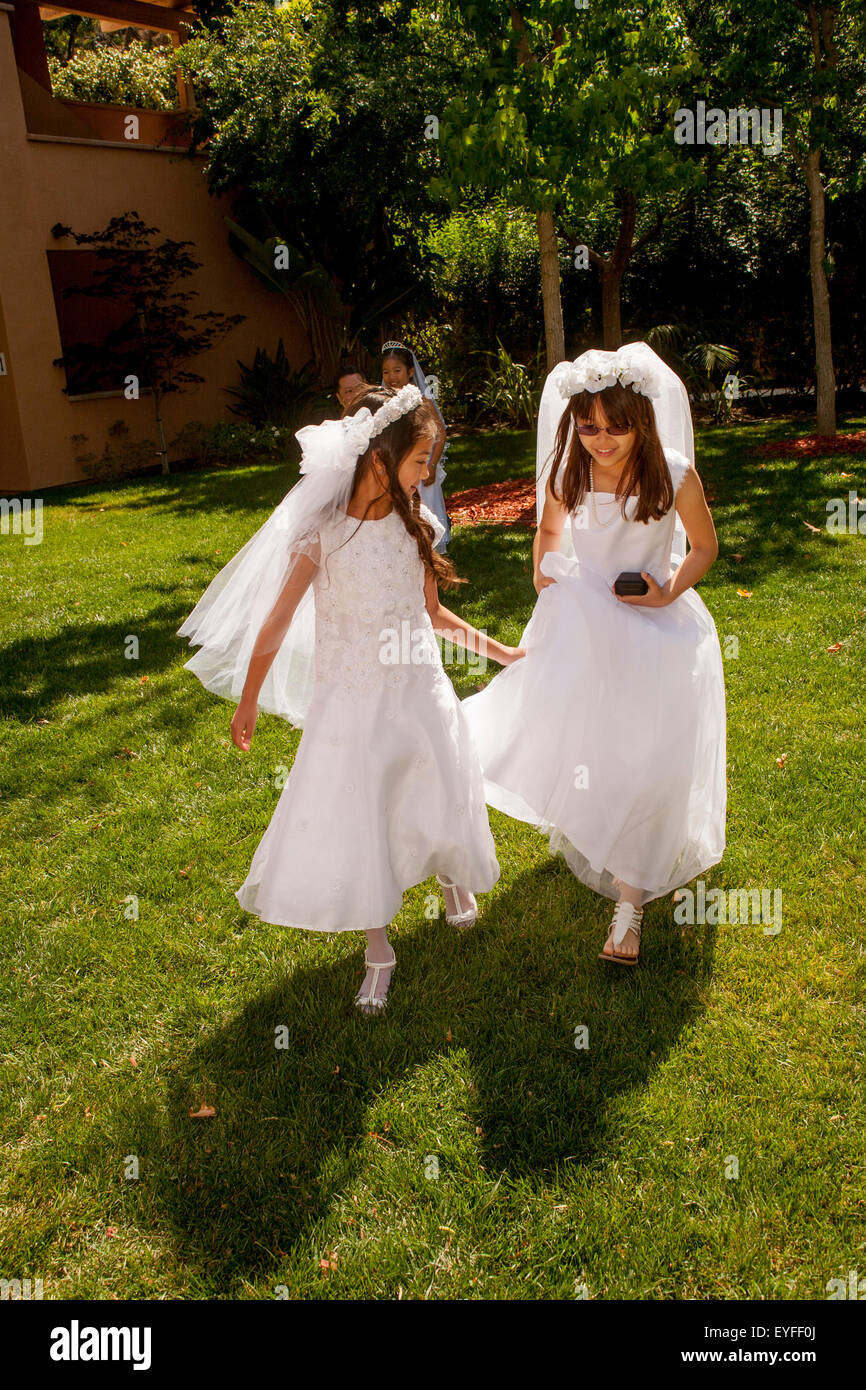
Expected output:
{"points": [[461, 1147]]}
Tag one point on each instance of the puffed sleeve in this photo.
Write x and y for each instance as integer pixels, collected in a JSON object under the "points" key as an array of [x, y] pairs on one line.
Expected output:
{"points": [[678, 467], [432, 518]]}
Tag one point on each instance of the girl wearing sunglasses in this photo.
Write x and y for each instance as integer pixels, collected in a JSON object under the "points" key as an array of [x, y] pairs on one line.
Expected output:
{"points": [[610, 734]]}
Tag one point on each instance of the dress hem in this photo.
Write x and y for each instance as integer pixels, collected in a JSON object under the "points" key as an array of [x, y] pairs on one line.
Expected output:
{"points": [[275, 921]]}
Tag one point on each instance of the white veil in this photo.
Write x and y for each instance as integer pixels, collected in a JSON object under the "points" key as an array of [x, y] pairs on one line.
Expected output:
{"points": [[425, 389], [670, 401], [226, 621]]}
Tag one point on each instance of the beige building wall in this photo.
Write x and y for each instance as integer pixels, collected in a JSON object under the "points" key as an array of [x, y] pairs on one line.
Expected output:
{"points": [[51, 179]]}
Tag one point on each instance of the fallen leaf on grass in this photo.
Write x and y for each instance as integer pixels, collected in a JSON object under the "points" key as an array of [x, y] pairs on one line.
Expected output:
{"points": [[204, 1112], [816, 529], [836, 647], [780, 762], [745, 593]]}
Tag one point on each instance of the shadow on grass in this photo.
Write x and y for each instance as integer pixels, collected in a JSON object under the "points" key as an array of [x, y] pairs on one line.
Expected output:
{"points": [[238, 1191], [242, 489], [37, 673]]}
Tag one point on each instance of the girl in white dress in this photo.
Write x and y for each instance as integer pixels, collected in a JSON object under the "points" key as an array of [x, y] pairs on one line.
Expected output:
{"points": [[399, 367], [610, 734], [327, 617]]}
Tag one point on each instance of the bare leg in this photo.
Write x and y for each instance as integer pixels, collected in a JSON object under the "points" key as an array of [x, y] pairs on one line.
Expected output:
{"points": [[372, 994]]}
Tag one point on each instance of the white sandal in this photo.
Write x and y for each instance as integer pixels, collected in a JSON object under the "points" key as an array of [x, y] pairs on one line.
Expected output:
{"points": [[456, 918], [626, 917], [368, 1003]]}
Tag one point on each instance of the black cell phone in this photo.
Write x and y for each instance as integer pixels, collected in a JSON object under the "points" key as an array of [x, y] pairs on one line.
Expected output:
{"points": [[630, 582]]}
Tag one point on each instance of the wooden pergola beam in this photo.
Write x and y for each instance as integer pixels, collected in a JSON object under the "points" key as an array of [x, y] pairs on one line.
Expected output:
{"points": [[135, 13]]}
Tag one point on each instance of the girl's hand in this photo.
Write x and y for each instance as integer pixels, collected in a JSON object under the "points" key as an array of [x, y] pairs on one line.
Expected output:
{"points": [[244, 724], [657, 596], [511, 654], [541, 581]]}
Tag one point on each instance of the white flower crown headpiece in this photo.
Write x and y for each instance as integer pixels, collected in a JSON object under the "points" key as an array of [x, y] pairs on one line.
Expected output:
{"points": [[595, 370], [338, 444]]}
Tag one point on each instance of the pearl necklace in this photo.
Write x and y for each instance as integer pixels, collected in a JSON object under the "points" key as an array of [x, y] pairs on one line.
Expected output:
{"points": [[602, 524]]}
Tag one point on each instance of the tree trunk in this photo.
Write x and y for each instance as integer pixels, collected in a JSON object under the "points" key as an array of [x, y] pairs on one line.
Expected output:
{"points": [[163, 450], [612, 268], [825, 376], [826, 59], [611, 321], [554, 328]]}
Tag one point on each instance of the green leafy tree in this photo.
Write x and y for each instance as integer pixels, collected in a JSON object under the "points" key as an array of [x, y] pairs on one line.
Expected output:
{"points": [[313, 118], [805, 59], [568, 111]]}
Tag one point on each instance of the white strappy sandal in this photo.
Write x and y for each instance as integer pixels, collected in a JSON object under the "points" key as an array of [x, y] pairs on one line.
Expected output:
{"points": [[368, 1003], [455, 917], [626, 917]]}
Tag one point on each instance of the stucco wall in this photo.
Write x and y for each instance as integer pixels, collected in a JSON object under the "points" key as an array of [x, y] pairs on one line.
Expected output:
{"points": [[43, 182]]}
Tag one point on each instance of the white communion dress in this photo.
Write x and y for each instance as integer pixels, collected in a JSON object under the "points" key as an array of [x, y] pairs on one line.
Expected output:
{"points": [[610, 734], [386, 787]]}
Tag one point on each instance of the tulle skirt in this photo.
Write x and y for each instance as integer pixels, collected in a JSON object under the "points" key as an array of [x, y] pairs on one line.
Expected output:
{"points": [[609, 735], [385, 791]]}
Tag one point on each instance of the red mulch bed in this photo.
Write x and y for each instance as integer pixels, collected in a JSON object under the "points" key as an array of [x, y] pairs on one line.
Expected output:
{"points": [[509, 503], [815, 446]]}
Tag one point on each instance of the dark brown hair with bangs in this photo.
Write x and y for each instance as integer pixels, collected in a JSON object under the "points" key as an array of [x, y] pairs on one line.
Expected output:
{"points": [[646, 473]]}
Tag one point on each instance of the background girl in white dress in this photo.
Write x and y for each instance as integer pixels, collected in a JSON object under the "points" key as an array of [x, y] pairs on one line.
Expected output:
{"points": [[327, 617], [610, 734], [400, 366]]}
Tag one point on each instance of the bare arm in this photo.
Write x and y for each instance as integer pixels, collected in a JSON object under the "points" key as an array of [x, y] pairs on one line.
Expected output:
{"points": [[704, 547], [463, 634], [548, 536], [268, 643]]}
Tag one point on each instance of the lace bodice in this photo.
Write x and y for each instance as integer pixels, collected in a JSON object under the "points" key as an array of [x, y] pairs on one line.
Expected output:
{"points": [[372, 625]]}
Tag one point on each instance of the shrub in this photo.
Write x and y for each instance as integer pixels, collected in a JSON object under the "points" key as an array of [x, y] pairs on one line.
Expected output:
{"points": [[271, 393], [133, 76], [120, 455], [227, 443]]}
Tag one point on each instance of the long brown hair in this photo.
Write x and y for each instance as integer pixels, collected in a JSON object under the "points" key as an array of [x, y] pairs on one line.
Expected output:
{"points": [[392, 445], [645, 469]]}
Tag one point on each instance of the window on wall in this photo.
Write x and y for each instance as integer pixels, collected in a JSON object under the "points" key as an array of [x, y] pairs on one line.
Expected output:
{"points": [[99, 337]]}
